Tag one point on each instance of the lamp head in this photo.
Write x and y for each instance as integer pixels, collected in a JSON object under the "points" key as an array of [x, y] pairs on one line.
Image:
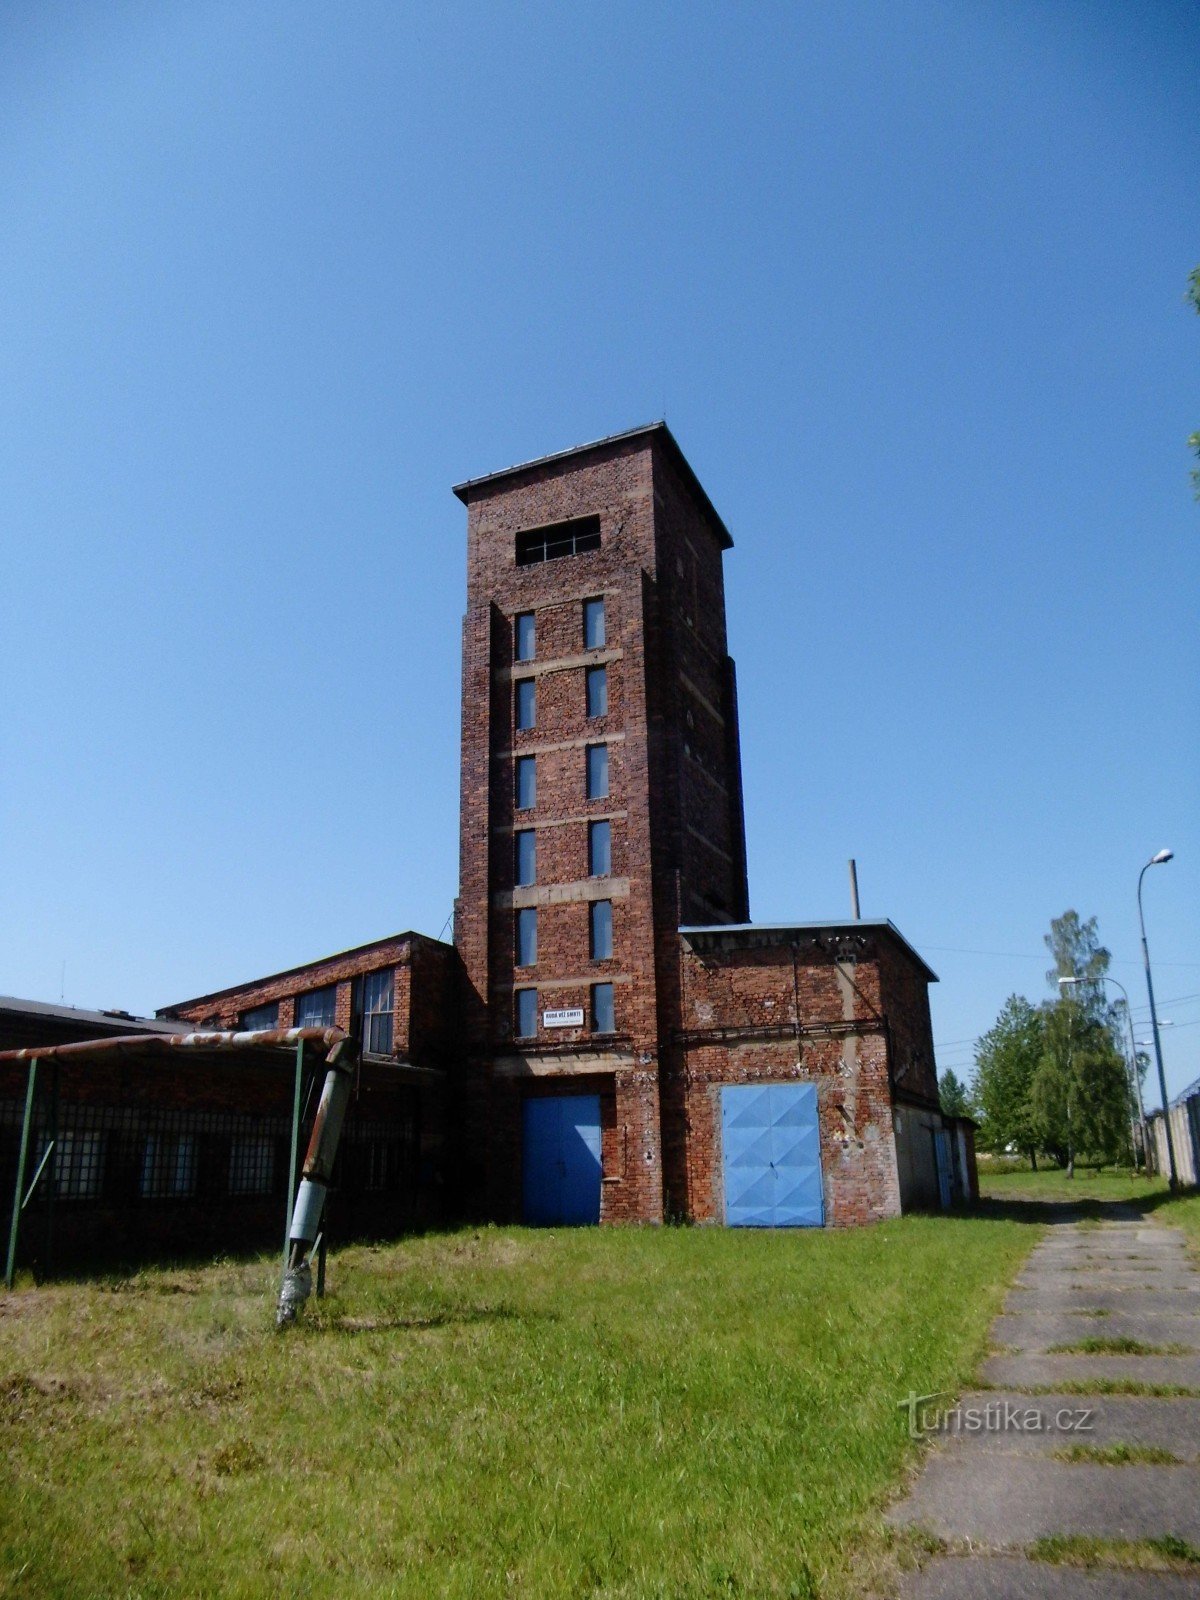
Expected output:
{"points": [[1163, 855], [1062, 981]]}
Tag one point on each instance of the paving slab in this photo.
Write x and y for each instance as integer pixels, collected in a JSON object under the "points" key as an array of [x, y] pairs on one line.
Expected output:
{"points": [[1047, 1372], [1039, 1329], [1110, 1297], [1003, 1578], [1008, 1501], [1021, 1424]]}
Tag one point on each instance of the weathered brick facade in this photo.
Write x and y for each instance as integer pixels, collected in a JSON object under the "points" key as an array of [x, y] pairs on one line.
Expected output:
{"points": [[625, 522]]}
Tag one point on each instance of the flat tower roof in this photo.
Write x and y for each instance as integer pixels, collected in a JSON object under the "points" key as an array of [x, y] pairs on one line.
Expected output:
{"points": [[657, 430], [747, 930]]}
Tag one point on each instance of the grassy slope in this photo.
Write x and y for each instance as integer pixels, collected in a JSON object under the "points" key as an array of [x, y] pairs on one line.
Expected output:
{"points": [[594, 1412]]}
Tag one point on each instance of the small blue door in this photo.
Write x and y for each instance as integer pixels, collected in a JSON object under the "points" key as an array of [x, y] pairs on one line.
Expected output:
{"points": [[561, 1159], [771, 1142], [941, 1158]]}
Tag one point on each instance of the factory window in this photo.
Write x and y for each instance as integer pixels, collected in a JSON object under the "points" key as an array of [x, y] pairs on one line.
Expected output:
{"points": [[597, 691], [526, 782], [317, 1008], [604, 1018], [169, 1166], [525, 1013], [558, 539], [251, 1165], [594, 632], [526, 697], [601, 930], [78, 1164], [525, 636], [264, 1017], [525, 853], [374, 1006], [597, 771], [599, 849], [527, 936]]}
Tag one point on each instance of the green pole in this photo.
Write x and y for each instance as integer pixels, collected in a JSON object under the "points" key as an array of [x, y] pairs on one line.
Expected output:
{"points": [[291, 1183], [19, 1191]]}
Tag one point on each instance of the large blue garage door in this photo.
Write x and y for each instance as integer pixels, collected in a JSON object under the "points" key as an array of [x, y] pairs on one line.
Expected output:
{"points": [[561, 1159], [772, 1150]]}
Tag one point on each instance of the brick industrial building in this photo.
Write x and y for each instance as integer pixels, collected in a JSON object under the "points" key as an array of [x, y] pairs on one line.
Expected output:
{"points": [[609, 1038]]}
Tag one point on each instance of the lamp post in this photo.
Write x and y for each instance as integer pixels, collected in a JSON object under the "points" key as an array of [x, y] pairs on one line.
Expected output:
{"points": [[1157, 861], [1062, 983], [1133, 1067]]}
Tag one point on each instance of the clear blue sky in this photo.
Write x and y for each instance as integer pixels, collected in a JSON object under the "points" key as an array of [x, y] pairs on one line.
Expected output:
{"points": [[907, 281]]}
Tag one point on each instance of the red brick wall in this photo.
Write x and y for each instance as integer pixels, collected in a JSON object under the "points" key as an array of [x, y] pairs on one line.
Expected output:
{"points": [[773, 1010], [671, 733]]}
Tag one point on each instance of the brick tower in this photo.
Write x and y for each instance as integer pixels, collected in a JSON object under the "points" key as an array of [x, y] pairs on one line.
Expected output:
{"points": [[601, 810]]}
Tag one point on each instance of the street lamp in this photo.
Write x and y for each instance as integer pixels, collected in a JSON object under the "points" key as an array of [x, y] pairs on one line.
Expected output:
{"points": [[1157, 861], [1133, 1066], [1062, 982]]}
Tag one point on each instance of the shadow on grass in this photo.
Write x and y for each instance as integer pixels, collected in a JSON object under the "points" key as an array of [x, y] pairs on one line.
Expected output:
{"points": [[1057, 1212], [418, 1322]]}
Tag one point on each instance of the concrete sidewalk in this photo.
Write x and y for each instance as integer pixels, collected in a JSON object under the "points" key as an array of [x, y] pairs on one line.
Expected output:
{"points": [[999, 1477]]}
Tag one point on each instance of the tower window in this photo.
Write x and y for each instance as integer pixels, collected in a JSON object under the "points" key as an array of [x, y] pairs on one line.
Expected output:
{"points": [[594, 632], [527, 936], [526, 697], [604, 1018], [525, 1013], [599, 849], [525, 853], [597, 691], [558, 539], [597, 771], [602, 930], [524, 636], [526, 782]]}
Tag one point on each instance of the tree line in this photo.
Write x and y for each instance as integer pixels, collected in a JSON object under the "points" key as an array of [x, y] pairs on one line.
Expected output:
{"points": [[1053, 1080]]}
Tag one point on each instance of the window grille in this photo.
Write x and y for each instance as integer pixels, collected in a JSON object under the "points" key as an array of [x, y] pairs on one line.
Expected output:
{"points": [[558, 539], [266, 1016], [376, 1011], [317, 1008]]}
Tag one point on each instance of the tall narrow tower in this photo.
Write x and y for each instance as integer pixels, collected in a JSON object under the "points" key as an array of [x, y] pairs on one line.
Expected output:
{"points": [[601, 810]]}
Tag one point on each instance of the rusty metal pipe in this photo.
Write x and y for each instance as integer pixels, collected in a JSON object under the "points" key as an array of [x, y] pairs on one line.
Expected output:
{"points": [[314, 1183]]}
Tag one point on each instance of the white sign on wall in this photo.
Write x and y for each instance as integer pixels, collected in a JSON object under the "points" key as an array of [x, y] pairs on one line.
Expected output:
{"points": [[563, 1019]]}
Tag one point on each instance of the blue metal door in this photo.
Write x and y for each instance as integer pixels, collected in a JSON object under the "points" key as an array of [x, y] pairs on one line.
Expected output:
{"points": [[771, 1142], [941, 1157], [561, 1159]]}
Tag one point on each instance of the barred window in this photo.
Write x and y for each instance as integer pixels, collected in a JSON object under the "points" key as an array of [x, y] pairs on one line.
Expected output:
{"points": [[78, 1164], [168, 1165], [251, 1165]]}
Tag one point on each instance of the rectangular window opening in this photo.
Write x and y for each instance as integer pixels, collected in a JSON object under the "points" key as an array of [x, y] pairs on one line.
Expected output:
{"points": [[557, 539], [594, 631], [260, 1017], [525, 1012], [604, 1019], [597, 771], [602, 930], [524, 636], [526, 782], [597, 691], [527, 936], [375, 1004], [526, 702], [599, 849], [317, 1008], [525, 854]]}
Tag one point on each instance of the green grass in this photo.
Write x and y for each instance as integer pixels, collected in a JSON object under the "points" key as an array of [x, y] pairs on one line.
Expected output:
{"points": [[1123, 1345], [617, 1413], [1167, 1554], [1117, 1455]]}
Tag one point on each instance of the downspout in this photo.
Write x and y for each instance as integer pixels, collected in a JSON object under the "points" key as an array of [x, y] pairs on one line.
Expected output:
{"points": [[314, 1183]]}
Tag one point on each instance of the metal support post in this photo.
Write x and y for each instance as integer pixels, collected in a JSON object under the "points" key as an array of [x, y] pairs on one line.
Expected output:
{"points": [[19, 1187], [292, 1164]]}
